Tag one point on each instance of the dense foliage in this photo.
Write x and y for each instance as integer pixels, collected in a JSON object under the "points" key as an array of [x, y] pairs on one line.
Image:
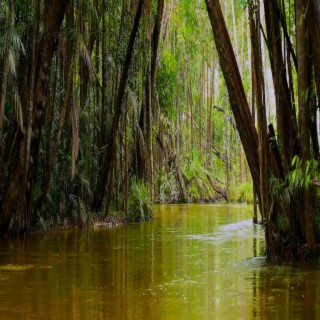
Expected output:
{"points": [[115, 105]]}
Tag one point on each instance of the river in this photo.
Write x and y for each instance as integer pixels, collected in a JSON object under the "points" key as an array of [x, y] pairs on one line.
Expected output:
{"points": [[190, 262]]}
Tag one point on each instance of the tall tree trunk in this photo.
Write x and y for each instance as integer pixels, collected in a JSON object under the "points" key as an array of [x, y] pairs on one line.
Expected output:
{"points": [[210, 108], [10, 216], [149, 120], [26, 150], [238, 100], [235, 33], [155, 43], [261, 109], [5, 64], [150, 84], [313, 21], [67, 64], [126, 165], [315, 7], [110, 157], [147, 109], [304, 117], [65, 109], [286, 126]]}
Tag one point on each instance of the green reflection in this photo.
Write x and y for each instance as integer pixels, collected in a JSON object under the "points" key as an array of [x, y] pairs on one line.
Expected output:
{"points": [[191, 262]]}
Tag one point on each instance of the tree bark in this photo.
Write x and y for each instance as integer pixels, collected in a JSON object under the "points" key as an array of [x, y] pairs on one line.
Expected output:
{"points": [[65, 109], [68, 78], [27, 148], [313, 21], [5, 67], [282, 20], [10, 215], [261, 108], [155, 43], [286, 126], [304, 118]]}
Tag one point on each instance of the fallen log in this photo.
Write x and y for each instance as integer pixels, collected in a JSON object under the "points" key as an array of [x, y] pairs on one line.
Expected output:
{"points": [[217, 189]]}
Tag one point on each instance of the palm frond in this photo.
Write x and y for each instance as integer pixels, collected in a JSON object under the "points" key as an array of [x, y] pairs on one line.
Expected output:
{"points": [[17, 106], [17, 43], [12, 64]]}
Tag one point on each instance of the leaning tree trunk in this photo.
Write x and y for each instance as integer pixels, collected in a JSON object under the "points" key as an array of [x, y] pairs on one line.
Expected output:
{"points": [[238, 100], [111, 155]]}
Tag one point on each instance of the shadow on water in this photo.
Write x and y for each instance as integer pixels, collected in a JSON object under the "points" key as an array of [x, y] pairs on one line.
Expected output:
{"points": [[191, 262]]}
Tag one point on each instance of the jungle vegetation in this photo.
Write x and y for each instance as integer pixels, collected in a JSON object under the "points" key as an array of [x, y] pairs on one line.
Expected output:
{"points": [[112, 106]]}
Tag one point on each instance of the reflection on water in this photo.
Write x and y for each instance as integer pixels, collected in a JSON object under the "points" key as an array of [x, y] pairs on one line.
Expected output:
{"points": [[191, 262]]}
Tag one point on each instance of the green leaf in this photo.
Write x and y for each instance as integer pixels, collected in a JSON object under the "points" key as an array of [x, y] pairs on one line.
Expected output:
{"points": [[294, 160], [307, 167], [294, 174], [307, 182]]}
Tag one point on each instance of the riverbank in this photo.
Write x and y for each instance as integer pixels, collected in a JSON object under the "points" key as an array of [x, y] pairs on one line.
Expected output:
{"points": [[109, 223], [115, 219]]}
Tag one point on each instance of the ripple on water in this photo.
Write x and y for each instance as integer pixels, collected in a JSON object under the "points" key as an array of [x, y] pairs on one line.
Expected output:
{"points": [[256, 263], [16, 267], [242, 229]]}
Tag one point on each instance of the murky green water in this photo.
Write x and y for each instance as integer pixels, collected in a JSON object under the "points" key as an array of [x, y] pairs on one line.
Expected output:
{"points": [[191, 262]]}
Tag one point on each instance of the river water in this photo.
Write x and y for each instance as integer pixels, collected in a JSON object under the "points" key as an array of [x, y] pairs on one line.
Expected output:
{"points": [[191, 262]]}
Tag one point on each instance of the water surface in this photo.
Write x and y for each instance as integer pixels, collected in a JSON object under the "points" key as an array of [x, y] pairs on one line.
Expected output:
{"points": [[191, 262]]}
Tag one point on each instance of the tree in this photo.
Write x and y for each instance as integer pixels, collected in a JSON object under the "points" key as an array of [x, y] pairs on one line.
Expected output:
{"points": [[304, 117], [238, 100], [16, 206], [118, 108], [5, 63]]}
